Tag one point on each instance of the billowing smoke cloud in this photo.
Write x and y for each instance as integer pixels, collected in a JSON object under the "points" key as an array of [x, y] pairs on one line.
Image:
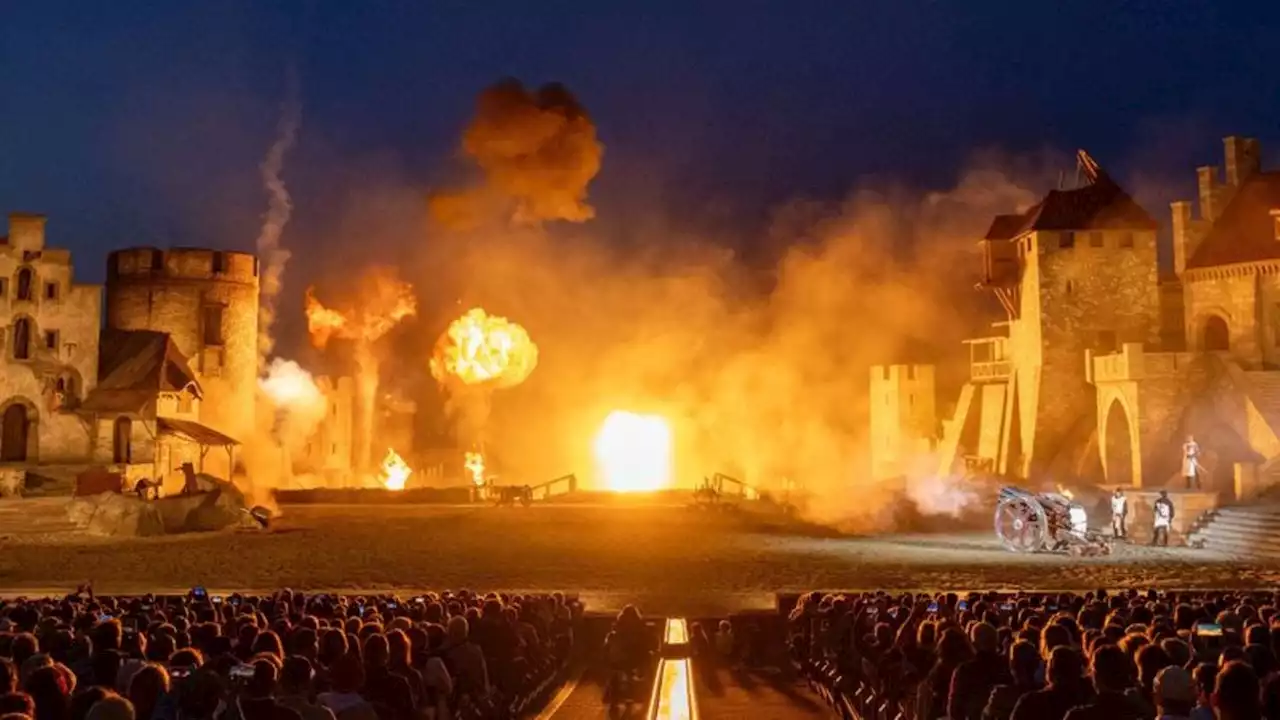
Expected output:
{"points": [[768, 387], [271, 256], [537, 151]]}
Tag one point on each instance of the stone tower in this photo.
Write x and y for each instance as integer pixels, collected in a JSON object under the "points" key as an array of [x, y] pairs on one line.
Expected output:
{"points": [[207, 300], [1075, 272], [904, 419]]}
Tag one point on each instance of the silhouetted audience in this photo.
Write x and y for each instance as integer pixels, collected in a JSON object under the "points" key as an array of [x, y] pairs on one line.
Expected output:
{"points": [[287, 656], [1025, 656]]}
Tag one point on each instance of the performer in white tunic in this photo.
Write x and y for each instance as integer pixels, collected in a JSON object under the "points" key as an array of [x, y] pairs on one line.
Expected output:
{"points": [[1191, 463], [1163, 519], [1119, 511]]}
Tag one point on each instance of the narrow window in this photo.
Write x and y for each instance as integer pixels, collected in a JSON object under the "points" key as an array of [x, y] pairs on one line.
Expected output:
{"points": [[1095, 239], [219, 263], [51, 291], [157, 260], [22, 339], [1126, 240], [213, 325], [24, 284], [1067, 240], [51, 339]]}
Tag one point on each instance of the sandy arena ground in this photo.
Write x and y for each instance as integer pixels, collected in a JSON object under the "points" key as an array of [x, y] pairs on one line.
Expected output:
{"points": [[666, 558]]}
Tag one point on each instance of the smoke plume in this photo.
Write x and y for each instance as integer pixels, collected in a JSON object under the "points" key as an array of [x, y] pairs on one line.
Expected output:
{"points": [[271, 256], [537, 151], [770, 387]]}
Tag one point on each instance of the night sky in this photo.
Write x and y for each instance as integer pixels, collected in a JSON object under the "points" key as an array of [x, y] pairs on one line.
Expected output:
{"points": [[132, 122]]}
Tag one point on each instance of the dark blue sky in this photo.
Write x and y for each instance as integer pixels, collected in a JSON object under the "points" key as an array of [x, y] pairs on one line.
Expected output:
{"points": [[132, 122]]}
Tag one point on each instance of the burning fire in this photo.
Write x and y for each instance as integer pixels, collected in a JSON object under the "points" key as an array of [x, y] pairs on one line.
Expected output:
{"points": [[395, 471], [634, 452], [474, 464], [481, 349], [385, 301], [1064, 492]]}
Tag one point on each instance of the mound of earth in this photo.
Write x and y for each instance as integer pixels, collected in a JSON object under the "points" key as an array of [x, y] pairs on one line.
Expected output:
{"points": [[222, 506], [116, 515], [125, 515]]}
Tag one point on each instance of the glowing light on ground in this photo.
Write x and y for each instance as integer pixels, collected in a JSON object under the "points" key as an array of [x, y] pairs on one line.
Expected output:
{"points": [[395, 471], [474, 465], [634, 452]]}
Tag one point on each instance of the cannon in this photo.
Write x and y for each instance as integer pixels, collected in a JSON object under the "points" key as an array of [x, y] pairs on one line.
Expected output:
{"points": [[1031, 522]]}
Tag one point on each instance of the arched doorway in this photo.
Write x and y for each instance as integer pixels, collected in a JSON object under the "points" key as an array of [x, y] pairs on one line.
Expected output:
{"points": [[13, 433], [122, 441], [1118, 446], [1216, 336]]}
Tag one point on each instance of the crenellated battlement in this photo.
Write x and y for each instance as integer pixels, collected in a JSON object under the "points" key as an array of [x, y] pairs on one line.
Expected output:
{"points": [[149, 264]]}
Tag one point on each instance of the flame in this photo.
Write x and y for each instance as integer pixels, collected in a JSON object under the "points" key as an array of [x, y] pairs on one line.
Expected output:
{"points": [[384, 301], [634, 452], [395, 471], [474, 464], [322, 322], [481, 349], [1064, 492]]}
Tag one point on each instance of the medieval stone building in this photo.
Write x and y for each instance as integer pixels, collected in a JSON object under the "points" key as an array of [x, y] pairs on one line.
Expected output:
{"points": [[1101, 367], [50, 348]]}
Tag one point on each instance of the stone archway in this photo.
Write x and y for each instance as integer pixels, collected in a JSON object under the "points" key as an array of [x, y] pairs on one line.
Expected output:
{"points": [[1117, 446], [1215, 335]]}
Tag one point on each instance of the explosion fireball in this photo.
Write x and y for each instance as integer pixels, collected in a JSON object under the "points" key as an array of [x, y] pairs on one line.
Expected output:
{"points": [[395, 471], [480, 349], [634, 452]]}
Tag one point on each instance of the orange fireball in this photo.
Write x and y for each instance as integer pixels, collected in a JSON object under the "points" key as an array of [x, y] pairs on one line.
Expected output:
{"points": [[481, 349]]}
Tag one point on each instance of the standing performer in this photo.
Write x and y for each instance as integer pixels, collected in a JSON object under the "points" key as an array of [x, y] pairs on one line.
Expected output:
{"points": [[1163, 519], [1191, 463], [1119, 510]]}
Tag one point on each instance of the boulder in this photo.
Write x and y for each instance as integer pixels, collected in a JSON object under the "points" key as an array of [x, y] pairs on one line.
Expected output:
{"points": [[224, 506], [115, 515]]}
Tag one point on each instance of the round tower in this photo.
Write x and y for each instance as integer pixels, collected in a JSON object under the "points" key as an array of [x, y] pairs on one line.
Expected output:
{"points": [[207, 300]]}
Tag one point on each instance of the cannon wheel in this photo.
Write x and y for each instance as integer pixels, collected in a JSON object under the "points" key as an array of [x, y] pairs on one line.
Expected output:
{"points": [[1021, 525]]}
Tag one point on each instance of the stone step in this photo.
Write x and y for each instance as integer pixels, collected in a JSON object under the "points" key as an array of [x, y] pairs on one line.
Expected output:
{"points": [[1244, 538], [1260, 524]]}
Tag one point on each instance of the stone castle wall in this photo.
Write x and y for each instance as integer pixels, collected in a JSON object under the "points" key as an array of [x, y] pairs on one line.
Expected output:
{"points": [[1082, 291]]}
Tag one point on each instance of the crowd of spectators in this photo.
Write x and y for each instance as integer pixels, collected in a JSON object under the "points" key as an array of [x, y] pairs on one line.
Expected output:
{"points": [[994, 656], [289, 656]]}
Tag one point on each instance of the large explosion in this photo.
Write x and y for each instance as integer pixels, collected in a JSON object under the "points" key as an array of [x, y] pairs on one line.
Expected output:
{"points": [[477, 354], [760, 368], [479, 349]]}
